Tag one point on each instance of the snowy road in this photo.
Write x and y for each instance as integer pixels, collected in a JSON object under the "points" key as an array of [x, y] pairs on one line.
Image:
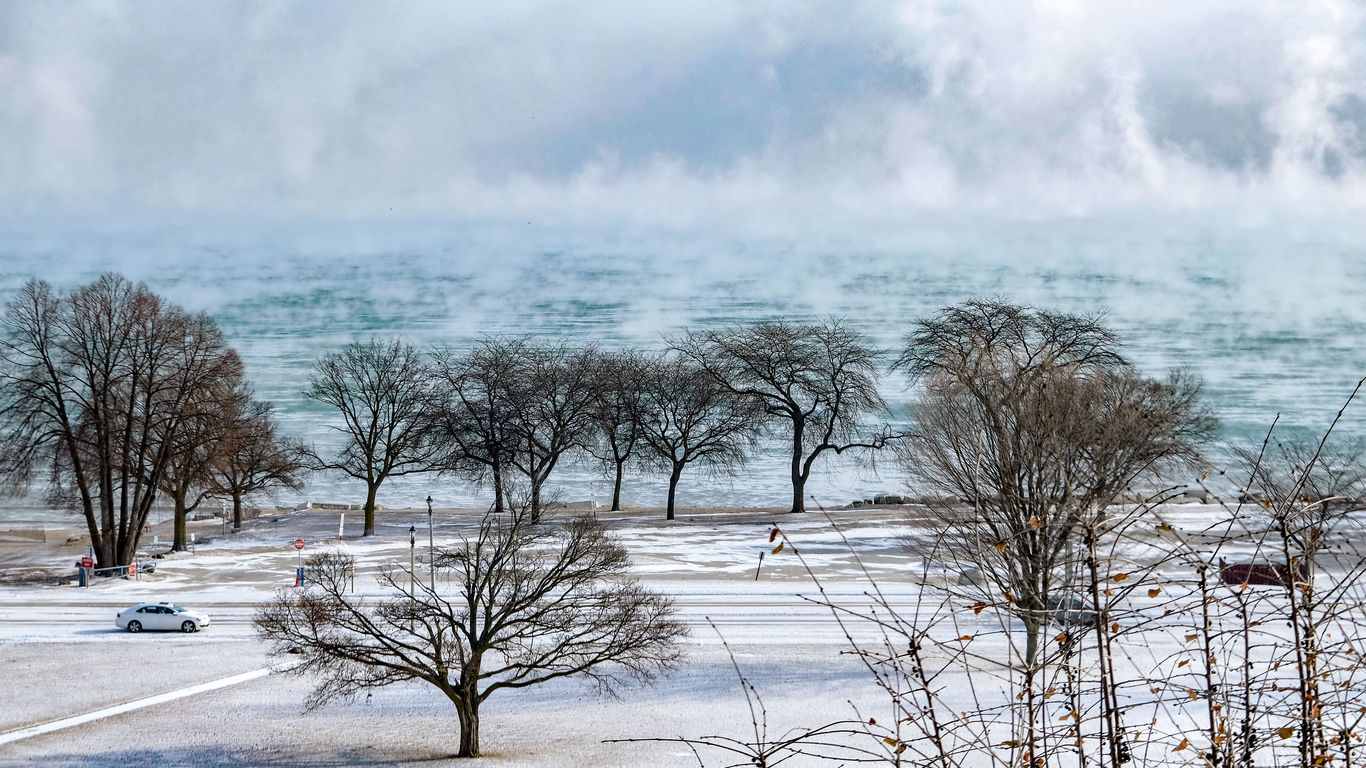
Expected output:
{"points": [[741, 615]]}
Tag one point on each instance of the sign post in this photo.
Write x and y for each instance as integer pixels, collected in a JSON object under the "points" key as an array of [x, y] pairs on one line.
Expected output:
{"points": [[299, 570]]}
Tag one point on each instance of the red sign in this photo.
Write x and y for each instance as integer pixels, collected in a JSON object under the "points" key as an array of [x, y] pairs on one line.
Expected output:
{"points": [[87, 562], [298, 543]]}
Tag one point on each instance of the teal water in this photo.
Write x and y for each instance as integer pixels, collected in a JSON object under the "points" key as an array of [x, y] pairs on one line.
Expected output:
{"points": [[1273, 321]]}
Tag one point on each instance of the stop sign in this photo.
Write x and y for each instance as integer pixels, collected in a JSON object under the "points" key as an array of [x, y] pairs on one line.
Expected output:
{"points": [[298, 543], [87, 562]]}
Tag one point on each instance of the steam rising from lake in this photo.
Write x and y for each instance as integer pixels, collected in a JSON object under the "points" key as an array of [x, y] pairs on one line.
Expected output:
{"points": [[1272, 322], [313, 173]]}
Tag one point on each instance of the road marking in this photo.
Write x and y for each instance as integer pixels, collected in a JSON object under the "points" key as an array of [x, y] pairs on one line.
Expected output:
{"points": [[130, 706]]}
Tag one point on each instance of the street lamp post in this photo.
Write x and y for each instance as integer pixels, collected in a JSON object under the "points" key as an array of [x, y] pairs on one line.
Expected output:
{"points": [[412, 560], [431, 546]]}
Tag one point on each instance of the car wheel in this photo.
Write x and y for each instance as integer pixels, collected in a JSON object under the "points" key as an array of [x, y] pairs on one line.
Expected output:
{"points": [[134, 626], [187, 627]]}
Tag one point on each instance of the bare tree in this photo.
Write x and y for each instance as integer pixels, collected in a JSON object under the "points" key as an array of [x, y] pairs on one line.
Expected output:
{"points": [[518, 605], [817, 379], [1038, 421], [1328, 473], [97, 386], [686, 417], [477, 395], [208, 416], [253, 457], [553, 391], [384, 393], [621, 377]]}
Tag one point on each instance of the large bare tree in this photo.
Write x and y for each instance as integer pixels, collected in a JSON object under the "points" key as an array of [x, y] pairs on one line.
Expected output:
{"points": [[818, 380], [1037, 420], [383, 391], [253, 457], [516, 605], [686, 417], [97, 386]]}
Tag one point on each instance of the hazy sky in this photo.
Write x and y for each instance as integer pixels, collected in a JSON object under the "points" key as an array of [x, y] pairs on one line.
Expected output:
{"points": [[682, 114]]}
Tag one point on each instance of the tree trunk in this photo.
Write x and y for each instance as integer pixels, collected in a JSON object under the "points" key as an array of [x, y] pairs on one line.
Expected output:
{"points": [[535, 501], [372, 490], [467, 710], [178, 539], [798, 480], [236, 511], [673, 487], [1033, 632], [616, 486], [497, 487]]}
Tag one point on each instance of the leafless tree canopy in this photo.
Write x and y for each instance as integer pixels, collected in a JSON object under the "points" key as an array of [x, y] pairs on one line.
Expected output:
{"points": [[554, 392], [1295, 470], [199, 442], [621, 376], [253, 457], [515, 605], [1037, 421], [686, 417], [383, 391], [819, 380], [97, 386], [476, 397]]}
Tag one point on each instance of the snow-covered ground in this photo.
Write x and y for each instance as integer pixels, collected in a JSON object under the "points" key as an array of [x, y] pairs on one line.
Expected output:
{"points": [[61, 655]]}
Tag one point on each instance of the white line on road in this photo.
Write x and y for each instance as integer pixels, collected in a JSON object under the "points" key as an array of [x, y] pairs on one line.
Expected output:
{"points": [[118, 709]]}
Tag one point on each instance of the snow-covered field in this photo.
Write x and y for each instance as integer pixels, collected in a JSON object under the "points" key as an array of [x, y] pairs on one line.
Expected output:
{"points": [[62, 656]]}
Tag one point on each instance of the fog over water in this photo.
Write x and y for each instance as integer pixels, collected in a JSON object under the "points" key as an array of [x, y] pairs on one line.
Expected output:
{"points": [[1268, 329], [311, 173]]}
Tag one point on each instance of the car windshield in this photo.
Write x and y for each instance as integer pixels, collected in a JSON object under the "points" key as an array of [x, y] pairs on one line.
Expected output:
{"points": [[176, 608]]}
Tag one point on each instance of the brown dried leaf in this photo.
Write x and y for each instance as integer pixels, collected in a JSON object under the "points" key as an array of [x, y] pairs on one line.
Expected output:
{"points": [[778, 548], [978, 607], [1154, 592], [1120, 577]]}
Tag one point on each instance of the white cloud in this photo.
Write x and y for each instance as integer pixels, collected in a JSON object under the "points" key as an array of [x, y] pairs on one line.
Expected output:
{"points": [[717, 113]]}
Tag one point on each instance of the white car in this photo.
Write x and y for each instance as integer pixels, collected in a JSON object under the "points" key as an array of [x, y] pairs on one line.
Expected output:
{"points": [[168, 616]]}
